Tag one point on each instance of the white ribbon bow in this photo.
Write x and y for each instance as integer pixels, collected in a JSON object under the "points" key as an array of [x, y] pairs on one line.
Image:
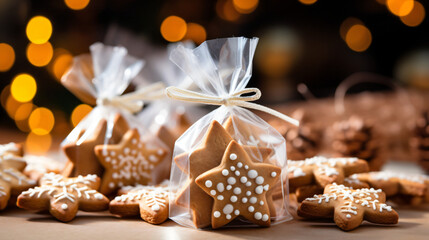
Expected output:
{"points": [[134, 101], [234, 99]]}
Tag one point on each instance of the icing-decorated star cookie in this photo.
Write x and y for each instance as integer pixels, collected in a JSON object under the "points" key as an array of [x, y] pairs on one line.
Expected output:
{"points": [[170, 135], [238, 187], [207, 156], [128, 162], [150, 202], [63, 197], [349, 207], [410, 189], [12, 180]]}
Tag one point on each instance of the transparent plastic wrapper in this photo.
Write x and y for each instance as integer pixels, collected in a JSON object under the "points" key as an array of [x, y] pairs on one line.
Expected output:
{"points": [[166, 118], [110, 141], [230, 166]]}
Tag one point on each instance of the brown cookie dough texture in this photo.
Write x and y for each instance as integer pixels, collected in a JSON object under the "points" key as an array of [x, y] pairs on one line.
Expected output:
{"points": [[349, 207], [63, 197], [412, 189], [150, 202]]}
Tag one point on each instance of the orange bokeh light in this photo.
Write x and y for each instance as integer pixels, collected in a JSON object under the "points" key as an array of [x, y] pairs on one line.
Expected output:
{"points": [[79, 113], [245, 6], [76, 4], [61, 64], [416, 16], [39, 29], [41, 121], [225, 9], [173, 28], [347, 24], [23, 111], [196, 33], [400, 7], [308, 2], [39, 54], [7, 57], [23, 87], [38, 144], [358, 38]]}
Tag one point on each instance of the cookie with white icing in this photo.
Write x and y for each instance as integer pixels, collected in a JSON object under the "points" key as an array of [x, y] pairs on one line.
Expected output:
{"points": [[150, 202], [63, 197], [403, 188], [349, 207], [12, 180], [239, 187], [129, 162]]}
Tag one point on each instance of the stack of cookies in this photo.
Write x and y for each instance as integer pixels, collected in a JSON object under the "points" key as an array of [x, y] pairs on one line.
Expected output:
{"points": [[420, 140]]}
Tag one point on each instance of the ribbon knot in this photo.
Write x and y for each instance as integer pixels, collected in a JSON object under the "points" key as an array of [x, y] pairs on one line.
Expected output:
{"points": [[234, 99]]}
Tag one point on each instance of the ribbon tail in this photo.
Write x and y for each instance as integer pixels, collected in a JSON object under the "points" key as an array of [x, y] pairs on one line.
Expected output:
{"points": [[267, 110]]}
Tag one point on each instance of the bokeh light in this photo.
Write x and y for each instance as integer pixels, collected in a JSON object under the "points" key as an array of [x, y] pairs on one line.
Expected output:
{"points": [[416, 16], [23, 111], [245, 6], [23, 87], [400, 7], [41, 121], [39, 30], [347, 24], [62, 61], [38, 144], [308, 2], [79, 113], [196, 33], [5, 93], [39, 54], [225, 9], [7, 57], [173, 28], [22, 125], [11, 106], [358, 38], [76, 4]]}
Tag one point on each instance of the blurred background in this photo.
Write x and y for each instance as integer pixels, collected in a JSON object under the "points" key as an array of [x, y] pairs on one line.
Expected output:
{"points": [[316, 42]]}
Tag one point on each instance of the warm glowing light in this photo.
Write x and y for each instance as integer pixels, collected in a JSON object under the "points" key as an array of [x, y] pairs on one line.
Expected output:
{"points": [[11, 106], [23, 87], [308, 2], [39, 29], [37, 144], [22, 125], [173, 28], [416, 16], [23, 111], [76, 4], [400, 7], [226, 10], [39, 54], [245, 6], [196, 33], [61, 64], [358, 38], [79, 113], [7, 57], [41, 121], [347, 24]]}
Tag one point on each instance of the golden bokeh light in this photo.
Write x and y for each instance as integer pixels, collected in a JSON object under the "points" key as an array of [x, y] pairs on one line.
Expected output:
{"points": [[416, 16], [22, 125], [5, 93], [245, 6], [76, 4], [79, 113], [61, 64], [7, 57], [38, 144], [347, 24], [23, 87], [196, 33], [39, 30], [40, 54], [11, 106], [173, 28], [308, 2], [225, 9], [400, 7], [358, 38], [41, 121], [23, 111]]}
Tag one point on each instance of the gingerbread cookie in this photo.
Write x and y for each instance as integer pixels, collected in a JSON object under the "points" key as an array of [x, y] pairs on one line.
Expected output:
{"points": [[12, 180], [37, 166], [411, 189], [128, 162], [63, 197], [238, 187], [207, 156], [349, 207], [151, 202]]}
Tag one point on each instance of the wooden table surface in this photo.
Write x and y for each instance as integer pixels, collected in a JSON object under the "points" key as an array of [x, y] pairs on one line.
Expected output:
{"points": [[21, 224]]}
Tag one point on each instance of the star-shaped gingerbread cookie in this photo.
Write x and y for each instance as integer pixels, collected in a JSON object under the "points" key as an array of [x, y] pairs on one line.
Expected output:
{"points": [[207, 156], [12, 180], [128, 162], [150, 202], [349, 207], [63, 197], [239, 186]]}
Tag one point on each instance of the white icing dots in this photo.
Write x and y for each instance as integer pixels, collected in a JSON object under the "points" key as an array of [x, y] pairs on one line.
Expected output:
{"points": [[233, 156], [64, 206], [231, 180], [261, 203], [213, 192], [220, 187], [259, 180], [216, 214], [265, 217], [233, 198], [243, 179], [248, 193], [225, 172], [244, 200], [252, 174], [251, 209], [98, 196], [273, 174], [228, 216], [248, 184], [228, 187], [220, 197], [228, 209], [111, 185], [266, 187], [259, 190], [253, 200], [258, 215], [246, 167], [155, 207], [237, 173], [239, 165], [348, 216], [237, 190], [232, 168], [209, 184], [237, 212]]}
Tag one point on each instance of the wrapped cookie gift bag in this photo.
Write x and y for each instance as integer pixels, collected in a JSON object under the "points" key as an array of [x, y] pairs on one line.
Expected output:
{"points": [[110, 141], [229, 163]]}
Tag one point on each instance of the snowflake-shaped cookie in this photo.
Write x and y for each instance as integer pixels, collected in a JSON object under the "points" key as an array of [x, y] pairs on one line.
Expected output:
{"points": [[349, 207], [63, 197]]}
